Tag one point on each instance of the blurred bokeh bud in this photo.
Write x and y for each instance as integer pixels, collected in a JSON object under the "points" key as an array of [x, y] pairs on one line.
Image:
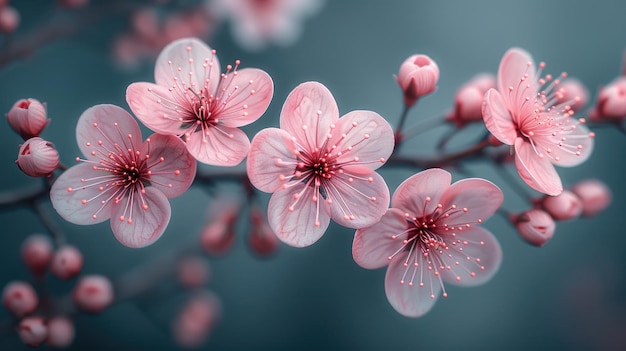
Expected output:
{"points": [[32, 331], [262, 240], [418, 76], [611, 102], [19, 298], [36, 253], [93, 293], [535, 226], [28, 118], [196, 319], [9, 19], [564, 206], [218, 234], [67, 262], [73, 4], [37, 157], [468, 100], [193, 272], [594, 195], [60, 332], [574, 92]]}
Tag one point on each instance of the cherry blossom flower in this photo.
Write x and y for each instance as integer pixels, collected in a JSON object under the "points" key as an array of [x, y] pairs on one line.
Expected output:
{"points": [[257, 23], [524, 114], [121, 178], [191, 99], [320, 166], [432, 234]]}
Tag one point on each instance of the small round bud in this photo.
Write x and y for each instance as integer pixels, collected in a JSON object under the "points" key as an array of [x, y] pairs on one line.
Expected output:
{"points": [[9, 19], [36, 253], [19, 298], [535, 226], [28, 118], [32, 330], [93, 293], [67, 262], [611, 103], [60, 332], [594, 194], [262, 239], [37, 157], [468, 101], [192, 272], [573, 91], [218, 235], [196, 319], [563, 206], [418, 76]]}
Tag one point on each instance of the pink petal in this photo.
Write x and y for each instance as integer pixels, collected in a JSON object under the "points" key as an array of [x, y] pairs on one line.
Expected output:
{"points": [[480, 197], [411, 195], [363, 134], [513, 67], [411, 300], [69, 204], [497, 117], [158, 108], [372, 246], [359, 202], [536, 171], [476, 263], [177, 170], [308, 113], [219, 146], [98, 124], [565, 146], [147, 225], [298, 227], [190, 55], [269, 158], [255, 89]]}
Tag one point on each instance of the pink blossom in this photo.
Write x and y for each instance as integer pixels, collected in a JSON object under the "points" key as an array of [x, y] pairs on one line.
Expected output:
{"points": [[67, 262], [123, 179], [37, 157], [191, 99], [257, 23], [535, 226], [28, 118], [19, 298], [60, 332], [418, 76], [320, 166], [432, 234], [32, 331], [468, 100], [525, 115], [93, 293], [36, 253], [594, 194], [573, 91]]}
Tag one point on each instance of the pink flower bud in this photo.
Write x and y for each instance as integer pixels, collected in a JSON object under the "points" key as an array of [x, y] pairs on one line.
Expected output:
{"points": [[146, 24], [32, 331], [196, 319], [218, 235], [67, 262], [535, 226], [611, 104], [563, 206], [28, 118], [93, 293], [594, 194], [37, 157], [417, 77], [60, 332], [468, 101], [571, 90], [36, 253], [19, 298], [193, 272], [9, 19], [262, 239]]}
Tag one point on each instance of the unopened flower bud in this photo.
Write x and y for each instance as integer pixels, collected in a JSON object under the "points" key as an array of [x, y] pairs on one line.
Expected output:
{"points": [[418, 76], [611, 104], [36, 253], [594, 194], [218, 235], [93, 293], [37, 157], [192, 272], [262, 239], [9, 19], [28, 118], [60, 332], [196, 319], [19, 298], [571, 90], [32, 330], [563, 206], [468, 100], [535, 226], [67, 262]]}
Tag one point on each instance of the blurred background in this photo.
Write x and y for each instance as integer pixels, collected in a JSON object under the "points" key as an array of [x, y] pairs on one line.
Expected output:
{"points": [[569, 294]]}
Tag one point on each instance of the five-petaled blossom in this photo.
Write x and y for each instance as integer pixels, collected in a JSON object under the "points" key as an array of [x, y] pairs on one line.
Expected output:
{"points": [[193, 100], [530, 117], [122, 178], [319, 166], [432, 234]]}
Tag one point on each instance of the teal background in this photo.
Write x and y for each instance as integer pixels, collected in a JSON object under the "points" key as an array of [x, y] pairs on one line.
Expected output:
{"points": [[570, 294]]}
